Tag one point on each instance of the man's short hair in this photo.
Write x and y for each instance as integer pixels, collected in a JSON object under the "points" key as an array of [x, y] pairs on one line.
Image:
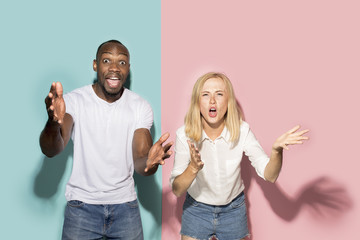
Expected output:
{"points": [[110, 41]]}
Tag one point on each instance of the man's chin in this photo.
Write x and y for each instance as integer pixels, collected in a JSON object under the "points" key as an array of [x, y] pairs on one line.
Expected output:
{"points": [[113, 92]]}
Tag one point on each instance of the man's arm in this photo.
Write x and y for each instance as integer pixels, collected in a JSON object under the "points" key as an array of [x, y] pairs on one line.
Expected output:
{"points": [[56, 133], [147, 157]]}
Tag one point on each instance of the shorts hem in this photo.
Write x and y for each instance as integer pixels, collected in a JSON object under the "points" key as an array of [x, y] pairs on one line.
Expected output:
{"points": [[186, 235]]}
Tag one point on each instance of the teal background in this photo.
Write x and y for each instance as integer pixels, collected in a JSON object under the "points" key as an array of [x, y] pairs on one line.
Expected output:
{"points": [[46, 41]]}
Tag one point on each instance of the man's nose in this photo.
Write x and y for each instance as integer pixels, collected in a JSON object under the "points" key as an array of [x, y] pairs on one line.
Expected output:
{"points": [[114, 67]]}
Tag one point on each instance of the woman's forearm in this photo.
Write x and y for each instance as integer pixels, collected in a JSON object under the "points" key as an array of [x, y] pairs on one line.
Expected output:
{"points": [[273, 167], [183, 181]]}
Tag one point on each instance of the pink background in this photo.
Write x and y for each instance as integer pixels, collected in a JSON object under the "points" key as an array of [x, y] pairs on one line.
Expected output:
{"points": [[291, 62]]}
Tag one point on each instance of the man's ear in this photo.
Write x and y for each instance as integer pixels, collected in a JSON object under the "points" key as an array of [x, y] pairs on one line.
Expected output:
{"points": [[94, 65]]}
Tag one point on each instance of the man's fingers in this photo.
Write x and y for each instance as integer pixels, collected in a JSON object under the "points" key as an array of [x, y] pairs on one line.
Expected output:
{"points": [[52, 87], [167, 154], [48, 101], [58, 89], [168, 146], [163, 138]]}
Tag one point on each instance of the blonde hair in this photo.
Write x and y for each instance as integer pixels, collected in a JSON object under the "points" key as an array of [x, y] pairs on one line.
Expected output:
{"points": [[233, 119]]}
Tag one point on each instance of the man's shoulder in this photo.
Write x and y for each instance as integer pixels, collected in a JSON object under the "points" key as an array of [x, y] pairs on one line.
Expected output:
{"points": [[81, 90], [131, 94], [134, 97]]}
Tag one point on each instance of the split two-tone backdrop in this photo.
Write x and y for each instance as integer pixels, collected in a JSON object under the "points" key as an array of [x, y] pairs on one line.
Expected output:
{"points": [[291, 62]]}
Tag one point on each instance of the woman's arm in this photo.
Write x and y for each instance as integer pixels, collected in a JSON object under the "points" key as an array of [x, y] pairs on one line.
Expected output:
{"points": [[291, 137], [182, 182]]}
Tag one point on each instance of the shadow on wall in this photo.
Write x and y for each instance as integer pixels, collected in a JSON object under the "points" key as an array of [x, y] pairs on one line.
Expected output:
{"points": [[149, 194], [322, 196], [47, 180], [176, 210]]}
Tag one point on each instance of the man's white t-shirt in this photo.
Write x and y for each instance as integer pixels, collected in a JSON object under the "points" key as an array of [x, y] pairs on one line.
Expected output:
{"points": [[102, 134]]}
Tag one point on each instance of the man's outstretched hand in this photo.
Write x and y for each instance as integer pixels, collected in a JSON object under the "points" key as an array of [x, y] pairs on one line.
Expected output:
{"points": [[158, 153], [55, 104]]}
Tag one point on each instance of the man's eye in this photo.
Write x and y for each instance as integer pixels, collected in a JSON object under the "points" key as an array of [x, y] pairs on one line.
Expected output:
{"points": [[122, 63], [106, 61]]}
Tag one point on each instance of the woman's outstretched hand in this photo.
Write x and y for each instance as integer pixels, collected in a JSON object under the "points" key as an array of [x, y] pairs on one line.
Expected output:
{"points": [[291, 137]]}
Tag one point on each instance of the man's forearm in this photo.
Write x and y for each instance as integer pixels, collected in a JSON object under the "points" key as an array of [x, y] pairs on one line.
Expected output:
{"points": [[140, 165], [51, 140]]}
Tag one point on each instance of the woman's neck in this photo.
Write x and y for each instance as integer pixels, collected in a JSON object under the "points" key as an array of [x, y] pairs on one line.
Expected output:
{"points": [[213, 131]]}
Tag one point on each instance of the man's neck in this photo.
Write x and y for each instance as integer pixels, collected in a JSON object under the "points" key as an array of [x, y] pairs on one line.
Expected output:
{"points": [[101, 93]]}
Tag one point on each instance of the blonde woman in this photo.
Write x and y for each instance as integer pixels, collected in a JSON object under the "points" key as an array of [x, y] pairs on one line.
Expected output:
{"points": [[208, 152]]}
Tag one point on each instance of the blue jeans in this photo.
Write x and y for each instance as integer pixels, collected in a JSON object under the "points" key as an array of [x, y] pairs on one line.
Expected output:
{"points": [[88, 221], [226, 222]]}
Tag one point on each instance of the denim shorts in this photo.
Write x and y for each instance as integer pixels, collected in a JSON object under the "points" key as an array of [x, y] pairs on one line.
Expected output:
{"points": [[90, 221], [202, 221]]}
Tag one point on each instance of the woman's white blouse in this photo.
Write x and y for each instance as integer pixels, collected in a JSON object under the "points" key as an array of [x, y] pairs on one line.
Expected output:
{"points": [[219, 182]]}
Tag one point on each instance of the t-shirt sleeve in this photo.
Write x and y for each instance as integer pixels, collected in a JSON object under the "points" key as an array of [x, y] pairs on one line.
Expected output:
{"points": [[70, 106], [182, 155], [255, 152], [146, 116]]}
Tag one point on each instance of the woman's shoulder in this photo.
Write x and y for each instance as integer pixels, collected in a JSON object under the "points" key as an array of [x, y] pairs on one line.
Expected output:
{"points": [[180, 132], [244, 125]]}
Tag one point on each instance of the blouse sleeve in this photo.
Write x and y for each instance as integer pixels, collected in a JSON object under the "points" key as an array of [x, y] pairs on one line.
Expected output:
{"points": [[182, 155], [255, 152]]}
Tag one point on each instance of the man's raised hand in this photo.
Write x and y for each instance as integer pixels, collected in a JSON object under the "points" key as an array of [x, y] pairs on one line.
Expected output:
{"points": [[55, 103], [158, 153]]}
